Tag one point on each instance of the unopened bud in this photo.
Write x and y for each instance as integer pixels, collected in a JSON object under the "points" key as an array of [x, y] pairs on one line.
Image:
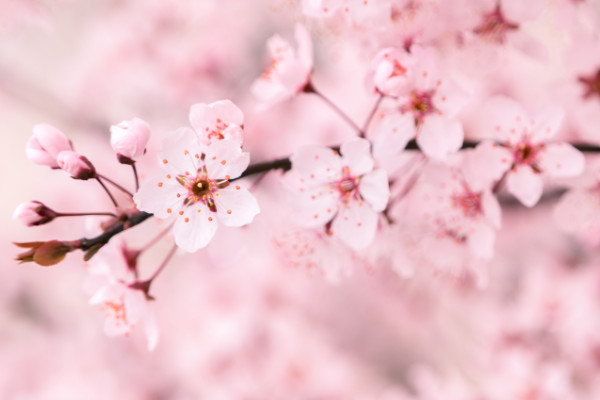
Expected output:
{"points": [[45, 144], [34, 213], [129, 138], [76, 165]]}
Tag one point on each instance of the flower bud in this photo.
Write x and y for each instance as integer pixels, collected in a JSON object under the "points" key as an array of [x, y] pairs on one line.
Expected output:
{"points": [[45, 144], [129, 138], [34, 213], [44, 253], [77, 165]]}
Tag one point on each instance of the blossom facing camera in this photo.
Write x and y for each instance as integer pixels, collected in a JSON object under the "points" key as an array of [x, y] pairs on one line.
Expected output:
{"points": [[340, 190], [33, 213], [76, 165], [45, 144], [129, 138], [195, 189]]}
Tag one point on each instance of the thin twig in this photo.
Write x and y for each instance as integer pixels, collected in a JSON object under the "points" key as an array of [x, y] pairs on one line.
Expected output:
{"points": [[115, 184], [107, 191]]}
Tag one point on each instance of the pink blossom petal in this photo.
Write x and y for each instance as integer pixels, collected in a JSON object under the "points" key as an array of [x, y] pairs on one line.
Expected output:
{"points": [[356, 155], [439, 136], [316, 207], [236, 206], [375, 189], [485, 165], [151, 331], [561, 160], [318, 163], [517, 11], [355, 224], [526, 185], [481, 241], [547, 123], [503, 119], [392, 133], [491, 208], [159, 195], [179, 151], [450, 98], [305, 46], [225, 160], [195, 228]]}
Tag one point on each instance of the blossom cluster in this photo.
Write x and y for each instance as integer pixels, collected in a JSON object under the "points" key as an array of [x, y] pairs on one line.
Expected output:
{"points": [[461, 131]]}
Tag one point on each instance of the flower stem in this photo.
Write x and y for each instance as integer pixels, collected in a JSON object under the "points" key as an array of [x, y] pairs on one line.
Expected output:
{"points": [[162, 266], [107, 191], [85, 214], [371, 115], [115, 184], [135, 175], [310, 88], [156, 238]]}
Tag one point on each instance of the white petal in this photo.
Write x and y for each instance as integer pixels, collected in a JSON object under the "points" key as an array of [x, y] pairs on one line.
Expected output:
{"points": [[392, 133], [485, 165], [561, 160], [151, 330], [199, 229], [159, 195], [179, 152], [320, 164], [315, 206], [375, 189], [355, 225], [503, 119], [547, 123], [491, 208], [356, 155], [439, 136], [517, 11], [236, 206], [526, 185], [225, 158]]}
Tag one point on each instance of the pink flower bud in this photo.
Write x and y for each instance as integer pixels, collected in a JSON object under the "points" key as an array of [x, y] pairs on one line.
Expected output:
{"points": [[45, 144], [128, 139], [77, 165], [34, 213]]}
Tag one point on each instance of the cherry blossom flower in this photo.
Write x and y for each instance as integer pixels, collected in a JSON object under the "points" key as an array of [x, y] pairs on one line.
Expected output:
{"points": [[289, 70], [196, 189], [125, 307], [426, 108], [523, 150], [342, 188], [217, 121], [45, 144], [129, 138]]}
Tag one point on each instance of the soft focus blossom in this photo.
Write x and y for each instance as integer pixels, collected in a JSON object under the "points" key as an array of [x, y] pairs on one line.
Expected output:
{"points": [[45, 144], [391, 71], [340, 187], [129, 138], [196, 190], [288, 71], [372, 13], [524, 150], [124, 306]]}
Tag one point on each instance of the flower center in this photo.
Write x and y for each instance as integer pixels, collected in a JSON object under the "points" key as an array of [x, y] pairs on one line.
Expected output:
{"points": [[592, 85], [495, 26], [526, 153], [348, 185], [200, 187], [421, 104], [469, 203]]}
